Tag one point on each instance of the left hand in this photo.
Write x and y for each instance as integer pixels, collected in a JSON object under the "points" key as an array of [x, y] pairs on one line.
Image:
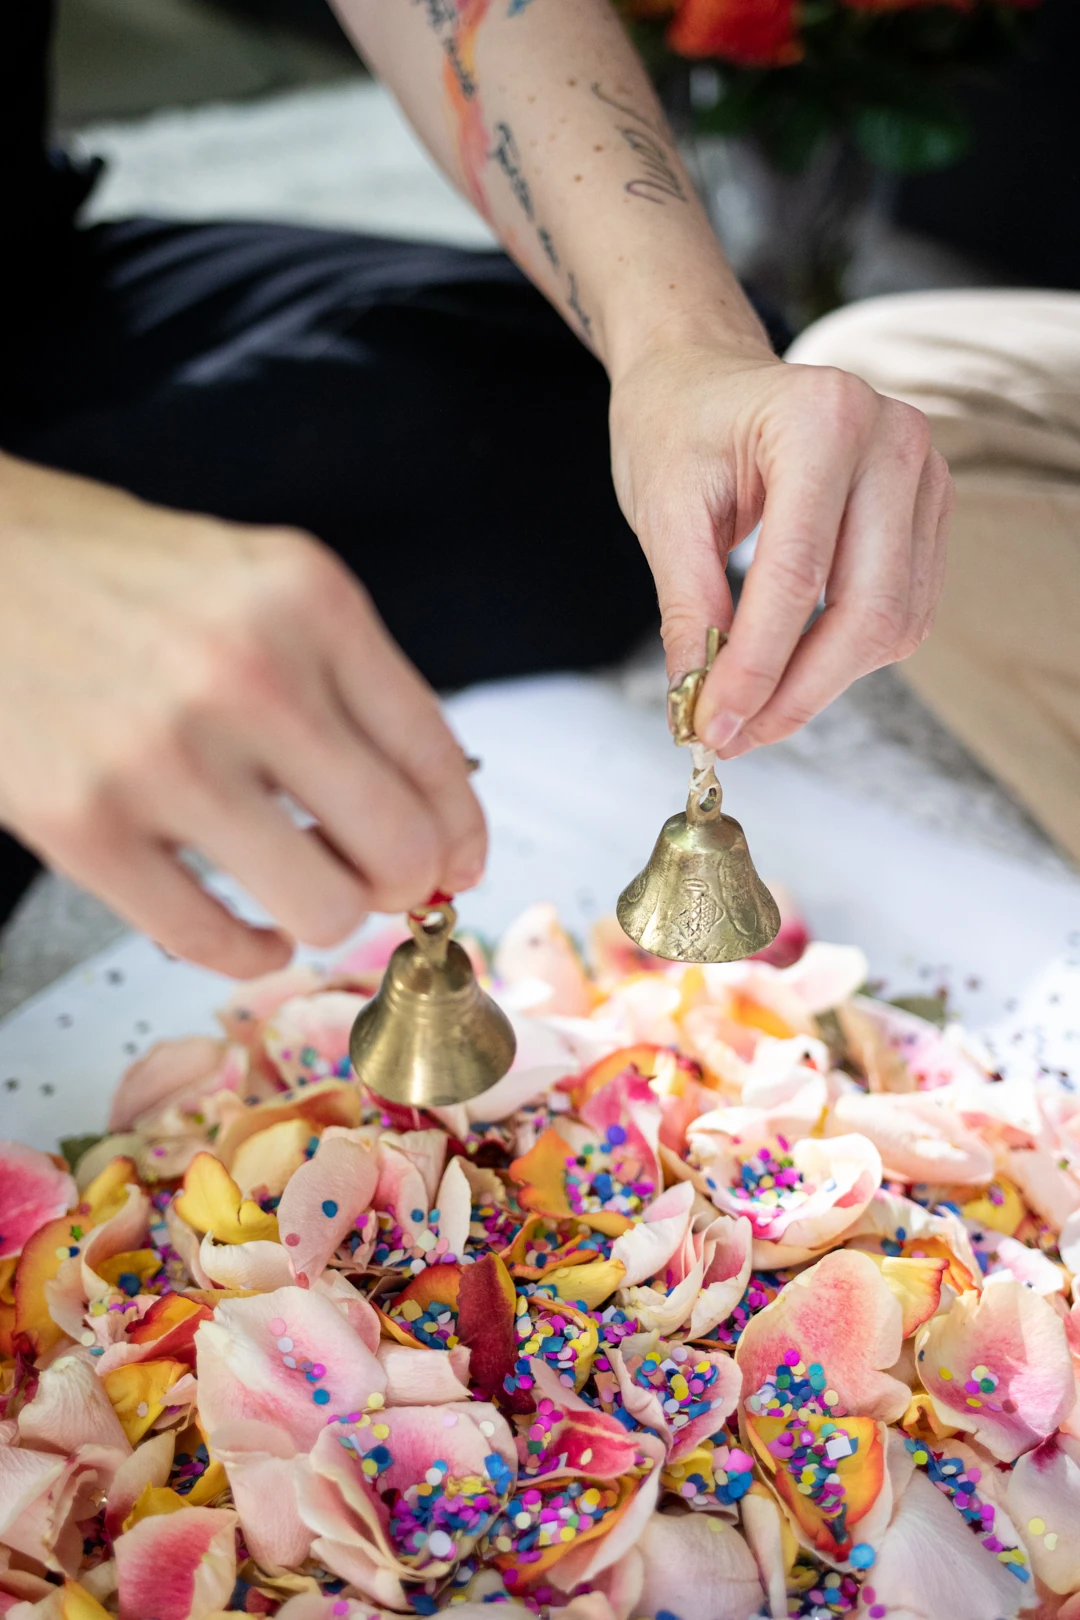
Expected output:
{"points": [[710, 437]]}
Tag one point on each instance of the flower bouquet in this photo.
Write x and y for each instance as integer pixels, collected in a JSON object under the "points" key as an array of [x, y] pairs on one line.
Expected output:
{"points": [[743, 1293]]}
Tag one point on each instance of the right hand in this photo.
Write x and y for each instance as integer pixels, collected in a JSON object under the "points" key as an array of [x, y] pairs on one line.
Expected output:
{"points": [[164, 677]]}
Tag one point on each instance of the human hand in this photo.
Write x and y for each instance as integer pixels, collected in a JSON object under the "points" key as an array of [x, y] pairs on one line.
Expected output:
{"points": [[709, 439], [164, 677]]}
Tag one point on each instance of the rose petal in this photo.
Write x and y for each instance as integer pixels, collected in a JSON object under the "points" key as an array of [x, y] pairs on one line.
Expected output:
{"points": [[930, 1564], [70, 1409], [307, 1037], [262, 1467], [696, 1565], [1019, 1338], [918, 1139], [424, 1377], [534, 947], [33, 1191], [825, 976], [140, 1391], [331, 1102], [253, 1265], [176, 1071], [321, 1203], [917, 1285], [177, 1566], [649, 1244], [242, 1358], [1043, 1498], [841, 1315], [211, 1202]]}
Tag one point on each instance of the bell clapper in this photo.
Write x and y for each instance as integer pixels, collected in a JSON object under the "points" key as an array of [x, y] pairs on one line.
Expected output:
{"points": [[699, 899]]}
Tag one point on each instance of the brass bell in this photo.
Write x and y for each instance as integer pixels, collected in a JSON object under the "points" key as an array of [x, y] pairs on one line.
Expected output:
{"points": [[699, 899], [430, 1037]]}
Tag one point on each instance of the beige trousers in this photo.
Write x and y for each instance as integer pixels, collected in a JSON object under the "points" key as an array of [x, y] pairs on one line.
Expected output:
{"points": [[998, 375]]}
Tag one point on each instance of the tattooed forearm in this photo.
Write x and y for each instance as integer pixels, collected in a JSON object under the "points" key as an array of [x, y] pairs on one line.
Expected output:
{"points": [[651, 147], [505, 154]]}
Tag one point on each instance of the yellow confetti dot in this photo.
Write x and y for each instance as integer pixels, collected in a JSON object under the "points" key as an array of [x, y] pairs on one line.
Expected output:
{"points": [[831, 1398], [504, 1544], [586, 1456], [971, 1400], [1036, 1526], [1050, 1540], [376, 1401], [980, 1372], [410, 1310], [943, 1372], [566, 1534], [370, 1468], [522, 1520], [590, 1498], [380, 1430]]}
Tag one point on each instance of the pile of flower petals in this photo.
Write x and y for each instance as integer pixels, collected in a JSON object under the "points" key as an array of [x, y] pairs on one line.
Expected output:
{"points": [[742, 1294]]}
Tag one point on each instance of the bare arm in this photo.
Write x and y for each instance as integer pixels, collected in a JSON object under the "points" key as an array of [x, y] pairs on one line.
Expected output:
{"points": [[542, 114]]}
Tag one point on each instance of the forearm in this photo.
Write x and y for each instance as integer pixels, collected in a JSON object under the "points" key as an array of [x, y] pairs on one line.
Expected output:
{"points": [[543, 115]]}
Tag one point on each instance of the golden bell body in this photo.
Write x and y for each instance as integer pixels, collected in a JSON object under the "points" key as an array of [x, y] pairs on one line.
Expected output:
{"points": [[699, 899], [431, 1037]]}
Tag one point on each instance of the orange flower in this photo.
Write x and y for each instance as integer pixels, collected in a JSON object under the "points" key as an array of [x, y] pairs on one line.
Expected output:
{"points": [[759, 33]]}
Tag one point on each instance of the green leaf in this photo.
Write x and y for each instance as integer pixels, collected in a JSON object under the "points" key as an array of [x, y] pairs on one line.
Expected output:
{"points": [[73, 1147], [906, 141]]}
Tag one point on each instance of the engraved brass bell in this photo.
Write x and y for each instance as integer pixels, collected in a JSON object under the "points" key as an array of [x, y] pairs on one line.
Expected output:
{"points": [[699, 899], [431, 1037]]}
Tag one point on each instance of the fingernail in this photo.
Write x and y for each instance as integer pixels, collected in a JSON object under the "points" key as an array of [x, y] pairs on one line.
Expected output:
{"points": [[722, 728]]}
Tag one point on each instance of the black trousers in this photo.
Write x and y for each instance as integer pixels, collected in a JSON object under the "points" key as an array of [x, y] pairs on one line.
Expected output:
{"points": [[419, 408]]}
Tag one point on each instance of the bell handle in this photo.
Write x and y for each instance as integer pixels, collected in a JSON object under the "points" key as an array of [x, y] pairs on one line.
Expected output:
{"points": [[431, 928], [683, 697], [705, 797]]}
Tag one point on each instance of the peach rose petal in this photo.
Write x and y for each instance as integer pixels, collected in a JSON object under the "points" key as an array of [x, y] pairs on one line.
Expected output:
{"points": [[998, 1364], [177, 1566], [1043, 1498], [841, 1315], [919, 1140], [322, 1201], [250, 1362], [696, 1565], [262, 1467], [70, 1408], [930, 1564]]}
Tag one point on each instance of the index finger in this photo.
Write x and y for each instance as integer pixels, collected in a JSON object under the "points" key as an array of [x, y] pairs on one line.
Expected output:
{"points": [[805, 499]]}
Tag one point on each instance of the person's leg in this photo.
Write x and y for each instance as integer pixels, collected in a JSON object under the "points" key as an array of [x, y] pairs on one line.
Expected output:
{"points": [[998, 374], [420, 409]]}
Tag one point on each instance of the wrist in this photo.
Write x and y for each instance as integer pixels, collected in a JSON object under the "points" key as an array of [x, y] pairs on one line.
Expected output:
{"points": [[723, 322]]}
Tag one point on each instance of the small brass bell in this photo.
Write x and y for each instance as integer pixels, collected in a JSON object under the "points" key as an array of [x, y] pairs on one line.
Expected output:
{"points": [[699, 899], [431, 1037]]}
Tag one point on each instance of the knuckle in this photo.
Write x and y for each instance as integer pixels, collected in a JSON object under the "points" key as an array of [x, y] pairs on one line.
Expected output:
{"points": [[799, 570], [843, 399], [882, 624], [911, 433]]}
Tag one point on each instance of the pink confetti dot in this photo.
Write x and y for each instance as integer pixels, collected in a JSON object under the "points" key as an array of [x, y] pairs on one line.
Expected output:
{"points": [[277, 1325], [292, 1239]]}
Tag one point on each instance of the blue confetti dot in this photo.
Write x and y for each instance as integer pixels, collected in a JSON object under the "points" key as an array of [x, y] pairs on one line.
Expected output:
{"points": [[321, 1396], [130, 1283], [417, 1214], [862, 1555], [329, 1208]]}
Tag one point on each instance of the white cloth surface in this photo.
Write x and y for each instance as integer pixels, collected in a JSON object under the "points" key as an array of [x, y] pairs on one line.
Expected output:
{"points": [[577, 782]]}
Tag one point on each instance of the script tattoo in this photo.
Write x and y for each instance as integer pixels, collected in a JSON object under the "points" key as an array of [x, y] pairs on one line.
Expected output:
{"points": [[505, 153], [574, 302], [442, 19], [660, 179], [516, 7], [548, 245]]}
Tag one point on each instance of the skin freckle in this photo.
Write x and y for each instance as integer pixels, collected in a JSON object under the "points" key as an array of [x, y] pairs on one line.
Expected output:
{"points": [[577, 177], [598, 148], [572, 83]]}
